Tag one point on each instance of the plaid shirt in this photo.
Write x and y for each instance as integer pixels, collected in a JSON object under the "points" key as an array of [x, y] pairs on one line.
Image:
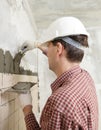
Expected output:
{"points": [[71, 106]]}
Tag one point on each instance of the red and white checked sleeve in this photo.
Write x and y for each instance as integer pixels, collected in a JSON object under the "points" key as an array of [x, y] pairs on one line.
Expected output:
{"points": [[31, 122]]}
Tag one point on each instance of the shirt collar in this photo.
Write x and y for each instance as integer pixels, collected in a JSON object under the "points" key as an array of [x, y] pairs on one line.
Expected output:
{"points": [[65, 77]]}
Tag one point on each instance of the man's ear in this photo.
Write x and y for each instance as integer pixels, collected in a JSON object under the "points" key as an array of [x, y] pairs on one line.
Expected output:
{"points": [[60, 48]]}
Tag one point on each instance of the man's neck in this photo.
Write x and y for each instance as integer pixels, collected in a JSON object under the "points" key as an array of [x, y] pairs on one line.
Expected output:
{"points": [[65, 67]]}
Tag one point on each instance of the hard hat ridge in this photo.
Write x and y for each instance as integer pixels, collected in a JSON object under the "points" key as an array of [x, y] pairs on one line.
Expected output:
{"points": [[65, 26]]}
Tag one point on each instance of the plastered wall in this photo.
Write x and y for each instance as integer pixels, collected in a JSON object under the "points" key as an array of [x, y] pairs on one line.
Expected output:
{"points": [[16, 25]]}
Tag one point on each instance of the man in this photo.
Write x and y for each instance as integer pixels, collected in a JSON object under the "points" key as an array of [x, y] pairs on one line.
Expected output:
{"points": [[73, 102]]}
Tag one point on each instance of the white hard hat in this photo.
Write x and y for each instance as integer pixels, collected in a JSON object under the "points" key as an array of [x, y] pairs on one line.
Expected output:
{"points": [[64, 26]]}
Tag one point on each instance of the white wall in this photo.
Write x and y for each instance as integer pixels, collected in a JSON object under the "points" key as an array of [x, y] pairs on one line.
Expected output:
{"points": [[16, 26]]}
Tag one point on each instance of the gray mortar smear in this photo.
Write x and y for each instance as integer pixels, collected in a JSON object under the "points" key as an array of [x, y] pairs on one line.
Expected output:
{"points": [[11, 65]]}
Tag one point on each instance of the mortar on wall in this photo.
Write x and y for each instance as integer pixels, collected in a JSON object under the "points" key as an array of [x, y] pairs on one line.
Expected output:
{"points": [[10, 66]]}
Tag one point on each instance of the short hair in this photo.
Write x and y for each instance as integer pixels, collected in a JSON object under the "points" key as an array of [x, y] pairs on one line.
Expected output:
{"points": [[73, 54]]}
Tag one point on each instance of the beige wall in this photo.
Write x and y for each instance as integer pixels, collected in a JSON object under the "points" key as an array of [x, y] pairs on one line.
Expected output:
{"points": [[11, 117]]}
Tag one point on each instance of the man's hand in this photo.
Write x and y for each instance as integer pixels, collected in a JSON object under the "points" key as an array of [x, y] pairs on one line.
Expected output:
{"points": [[27, 110], [25, 99], [26, 102], [27, 45]]}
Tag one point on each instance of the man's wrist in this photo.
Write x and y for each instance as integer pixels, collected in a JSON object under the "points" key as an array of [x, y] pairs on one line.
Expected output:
{"points": [[27, 110]]}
